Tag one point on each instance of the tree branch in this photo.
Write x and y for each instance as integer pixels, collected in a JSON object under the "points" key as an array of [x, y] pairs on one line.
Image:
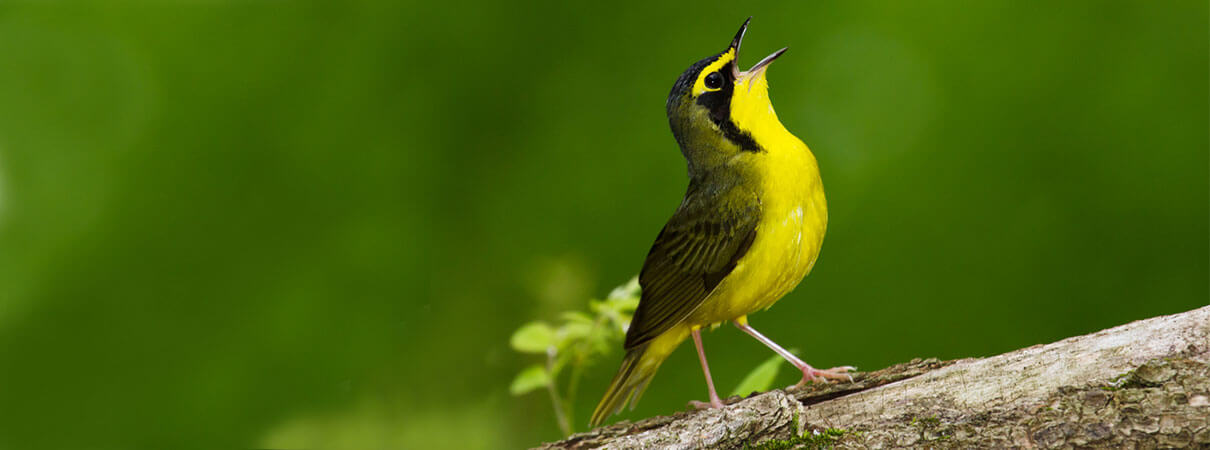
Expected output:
{"points": [[1144, 384]]}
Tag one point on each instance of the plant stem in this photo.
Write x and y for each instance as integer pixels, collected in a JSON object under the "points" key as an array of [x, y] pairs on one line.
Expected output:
{"points": [[577, 369], [554, 393]]}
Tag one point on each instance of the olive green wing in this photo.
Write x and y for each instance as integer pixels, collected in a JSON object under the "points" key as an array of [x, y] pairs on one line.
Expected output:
{"points": [[696, 250]]}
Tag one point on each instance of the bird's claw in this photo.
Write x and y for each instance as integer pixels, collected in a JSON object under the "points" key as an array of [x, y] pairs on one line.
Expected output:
{"points": [[811, 374], [699, 405]]}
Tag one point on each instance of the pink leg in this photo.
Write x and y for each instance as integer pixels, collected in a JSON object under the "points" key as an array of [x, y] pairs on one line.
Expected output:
{"points": [[701, 355], [808, 373]]}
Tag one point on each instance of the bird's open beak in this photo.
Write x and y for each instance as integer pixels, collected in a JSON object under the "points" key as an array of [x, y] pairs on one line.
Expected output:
{"points": [[760, 66], [764, 63]]}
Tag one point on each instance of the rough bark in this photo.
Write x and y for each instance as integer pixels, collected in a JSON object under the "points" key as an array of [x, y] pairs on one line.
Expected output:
{"points": [[1141, 385]]}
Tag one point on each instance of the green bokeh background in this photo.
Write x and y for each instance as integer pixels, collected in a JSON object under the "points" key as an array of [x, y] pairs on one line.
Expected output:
{"points": [[287, 225]]}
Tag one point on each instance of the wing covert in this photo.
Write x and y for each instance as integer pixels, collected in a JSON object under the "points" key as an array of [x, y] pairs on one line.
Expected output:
{"points": [[698, 247]]}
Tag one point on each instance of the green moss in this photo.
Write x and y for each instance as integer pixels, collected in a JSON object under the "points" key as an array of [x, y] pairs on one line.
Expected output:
{"points": [[926, 422], [810, 439], [1125, 380]]}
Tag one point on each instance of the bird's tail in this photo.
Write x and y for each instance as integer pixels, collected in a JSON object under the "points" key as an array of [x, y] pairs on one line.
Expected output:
{"points": [[638, 368]]}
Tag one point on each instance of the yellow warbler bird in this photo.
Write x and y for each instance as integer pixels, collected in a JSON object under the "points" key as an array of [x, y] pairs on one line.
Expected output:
{"points": [[748, 230]]}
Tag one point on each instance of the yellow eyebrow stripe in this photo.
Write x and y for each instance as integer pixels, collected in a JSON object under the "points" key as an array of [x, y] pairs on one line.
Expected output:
{"points": [[699, 86]]}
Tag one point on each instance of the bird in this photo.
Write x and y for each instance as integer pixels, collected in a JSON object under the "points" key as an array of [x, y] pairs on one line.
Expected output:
{"points": [[748, 230]]}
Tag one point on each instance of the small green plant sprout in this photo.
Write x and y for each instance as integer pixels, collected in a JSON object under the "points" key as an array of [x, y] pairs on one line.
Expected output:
{"points": [[580, 339], [577, 341], [761, 377]]}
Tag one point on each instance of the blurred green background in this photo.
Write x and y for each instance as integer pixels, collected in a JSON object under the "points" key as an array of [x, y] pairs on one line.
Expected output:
{"points": [[288, 225]]}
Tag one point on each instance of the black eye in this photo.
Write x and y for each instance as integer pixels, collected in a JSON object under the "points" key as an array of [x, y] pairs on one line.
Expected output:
{"points": [[714, 80]]}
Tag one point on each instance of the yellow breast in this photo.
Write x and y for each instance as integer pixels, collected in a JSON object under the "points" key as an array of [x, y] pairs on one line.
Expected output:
{"points": [[792, 230], [793, 222]]}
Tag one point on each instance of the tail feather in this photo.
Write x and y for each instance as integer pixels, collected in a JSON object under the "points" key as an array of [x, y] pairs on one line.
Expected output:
{"points": [[638, 368], [630, 378]]}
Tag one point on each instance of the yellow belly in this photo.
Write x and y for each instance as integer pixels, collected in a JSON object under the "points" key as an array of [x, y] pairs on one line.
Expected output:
{"points": [[788, 239]]}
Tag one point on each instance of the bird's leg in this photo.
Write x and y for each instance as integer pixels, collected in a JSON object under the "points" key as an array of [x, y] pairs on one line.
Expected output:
{"points": [[808, 373], [701, 355]]}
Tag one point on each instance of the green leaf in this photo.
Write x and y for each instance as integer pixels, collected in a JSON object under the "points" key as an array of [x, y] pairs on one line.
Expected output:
{"points": [[628, 290], [533, 337], [601, 344], [577, 317], [624, 304], [597, 307], [760, 378], [533, 377], [573, 332]]}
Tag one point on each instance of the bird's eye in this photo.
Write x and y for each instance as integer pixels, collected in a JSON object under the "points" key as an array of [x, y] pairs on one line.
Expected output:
{"points": [[714, 80]]}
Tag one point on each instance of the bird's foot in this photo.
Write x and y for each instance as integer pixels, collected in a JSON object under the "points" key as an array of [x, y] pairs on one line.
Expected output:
{"points": [[811, 374], [713, 403]]}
